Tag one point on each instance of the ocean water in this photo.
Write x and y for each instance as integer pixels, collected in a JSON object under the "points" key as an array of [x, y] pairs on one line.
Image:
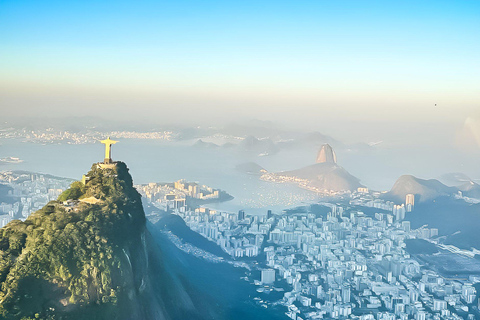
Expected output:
{"points": [[163, 161], [166, 161]]}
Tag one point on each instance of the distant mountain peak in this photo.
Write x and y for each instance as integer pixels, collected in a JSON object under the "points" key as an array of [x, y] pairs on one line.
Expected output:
{"points": [[203, 144], [326, 154], [251, 168]]}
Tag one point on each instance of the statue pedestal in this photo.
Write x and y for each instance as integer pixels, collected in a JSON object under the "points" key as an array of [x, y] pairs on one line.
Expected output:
{"points": [[110, 165]]}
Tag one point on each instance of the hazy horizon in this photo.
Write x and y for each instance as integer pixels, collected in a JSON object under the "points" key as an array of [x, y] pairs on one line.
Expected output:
{"points": [[401, 76], [339, 68]]}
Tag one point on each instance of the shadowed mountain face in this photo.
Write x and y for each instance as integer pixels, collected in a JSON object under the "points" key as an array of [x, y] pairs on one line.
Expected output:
{"points": [[233, 296], [88, 255], [4, 197], [453, 218], [327, 176], [470, 189], [424, 190]]}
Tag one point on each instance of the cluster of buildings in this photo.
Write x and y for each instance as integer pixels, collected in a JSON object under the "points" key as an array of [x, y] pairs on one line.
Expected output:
{"points": [[363, 197], [51, 135], [28, 192], [174, 196], [341, 265], [349, 265], [154, 135], [238, 234], [302, 183]]}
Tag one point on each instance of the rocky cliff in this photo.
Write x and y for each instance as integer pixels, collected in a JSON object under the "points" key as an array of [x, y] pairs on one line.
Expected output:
{"points": [[88, 255]]}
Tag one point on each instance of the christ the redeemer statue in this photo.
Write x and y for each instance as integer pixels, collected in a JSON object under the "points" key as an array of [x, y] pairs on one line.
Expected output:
{"points": [[108, 149]]}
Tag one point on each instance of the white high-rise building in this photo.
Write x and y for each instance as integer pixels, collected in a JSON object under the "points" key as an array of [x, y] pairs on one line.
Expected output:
{"points": [[439, 305], [268, 276], [346, 294], [421, 315], [399, 212], [409, 202]]}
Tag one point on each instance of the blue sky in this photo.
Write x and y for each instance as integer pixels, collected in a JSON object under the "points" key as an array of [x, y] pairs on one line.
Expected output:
{"points": [[387, 57]]}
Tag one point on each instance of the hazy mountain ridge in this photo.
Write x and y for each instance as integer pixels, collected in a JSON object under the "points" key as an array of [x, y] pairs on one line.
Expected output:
{"points": [[202, 144], [454, 179], [424, 190], [250, 168], [249, 146], [256, 140]]}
